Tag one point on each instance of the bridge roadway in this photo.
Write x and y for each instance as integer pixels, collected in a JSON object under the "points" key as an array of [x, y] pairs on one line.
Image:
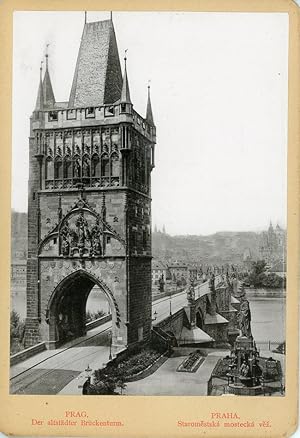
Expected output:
{"points": [[175, 302], [62, 370]]}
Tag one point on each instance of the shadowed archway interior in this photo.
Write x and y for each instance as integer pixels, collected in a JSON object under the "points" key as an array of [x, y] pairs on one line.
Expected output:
{"points": [[67, 307]]}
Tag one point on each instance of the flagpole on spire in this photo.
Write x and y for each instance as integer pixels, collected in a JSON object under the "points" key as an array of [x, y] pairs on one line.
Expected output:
{"points": [[47, 55], [111, 16], [85, 17]]}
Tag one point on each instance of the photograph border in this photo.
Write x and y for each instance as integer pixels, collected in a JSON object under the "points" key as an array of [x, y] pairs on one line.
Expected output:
{"points": [[148, 415]]}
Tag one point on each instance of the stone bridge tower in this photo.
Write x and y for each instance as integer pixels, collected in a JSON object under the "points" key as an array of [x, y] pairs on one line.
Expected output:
{"points": [[89, 206]]}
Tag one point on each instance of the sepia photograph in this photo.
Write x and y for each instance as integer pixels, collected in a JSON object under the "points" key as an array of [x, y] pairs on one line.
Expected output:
{"points": [[149, 203]]}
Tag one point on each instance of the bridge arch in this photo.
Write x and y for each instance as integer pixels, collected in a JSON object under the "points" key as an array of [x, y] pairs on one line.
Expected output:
{"points": [[66, 309], [199, 319]]}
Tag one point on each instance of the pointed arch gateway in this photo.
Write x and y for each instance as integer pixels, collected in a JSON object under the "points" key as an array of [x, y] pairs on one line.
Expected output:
{"points": [[66, 310]]}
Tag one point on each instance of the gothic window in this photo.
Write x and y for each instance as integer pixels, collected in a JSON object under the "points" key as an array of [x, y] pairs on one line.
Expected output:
{"points": [[144, 239], [49, 168], [71, 114], [95, 166], [109, 111], [90, 112], [67, 167], [104, 165], [52, 116], [58, 168], [115, 170]]}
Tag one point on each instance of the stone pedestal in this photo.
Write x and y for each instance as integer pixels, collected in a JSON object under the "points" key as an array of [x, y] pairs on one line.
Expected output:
{"points": [[244, 375]]}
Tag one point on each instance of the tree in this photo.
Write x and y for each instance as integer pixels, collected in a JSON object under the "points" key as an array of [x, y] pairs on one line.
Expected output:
{"points": [[257, 270]]}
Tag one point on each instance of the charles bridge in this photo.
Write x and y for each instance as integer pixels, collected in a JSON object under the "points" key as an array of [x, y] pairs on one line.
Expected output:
{"points": [[208, 316]]}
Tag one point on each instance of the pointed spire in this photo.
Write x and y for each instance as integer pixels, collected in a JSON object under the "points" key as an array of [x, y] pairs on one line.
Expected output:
{"points": [[40, 96], [49, 99], [125, 94], [149, 114]]}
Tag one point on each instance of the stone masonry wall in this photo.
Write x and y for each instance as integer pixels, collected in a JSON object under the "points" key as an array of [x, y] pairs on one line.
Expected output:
{"points": [[32, 321]]}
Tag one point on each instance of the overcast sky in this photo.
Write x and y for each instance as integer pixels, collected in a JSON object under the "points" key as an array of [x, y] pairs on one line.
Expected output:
{"points": [[219, 98]]}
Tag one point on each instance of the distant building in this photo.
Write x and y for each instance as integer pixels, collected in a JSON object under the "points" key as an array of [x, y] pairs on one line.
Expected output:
{"points": [[18, 274], [159, 271], [273, 244], [178, 271]]}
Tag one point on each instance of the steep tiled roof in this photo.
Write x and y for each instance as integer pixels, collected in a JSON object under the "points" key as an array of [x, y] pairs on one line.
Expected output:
{"points": [[98, 77], [157, 264]]}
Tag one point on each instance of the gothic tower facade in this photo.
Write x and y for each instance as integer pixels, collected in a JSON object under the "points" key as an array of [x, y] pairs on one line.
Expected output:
{"points": [[89, 205]]}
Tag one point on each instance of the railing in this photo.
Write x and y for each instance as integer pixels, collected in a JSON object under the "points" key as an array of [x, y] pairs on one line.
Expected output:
{"points": [[270, 346], [160, 338]]}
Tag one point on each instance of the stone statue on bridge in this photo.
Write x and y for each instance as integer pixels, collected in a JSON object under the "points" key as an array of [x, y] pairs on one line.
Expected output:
{"points": [[244, 318]]}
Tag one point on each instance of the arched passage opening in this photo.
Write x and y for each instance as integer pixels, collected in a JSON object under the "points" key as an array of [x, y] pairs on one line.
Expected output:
{"points": [[199, 319], [69, 307]]}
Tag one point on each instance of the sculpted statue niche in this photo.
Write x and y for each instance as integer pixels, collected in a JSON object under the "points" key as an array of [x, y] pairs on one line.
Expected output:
{"points": [[81, 235]]}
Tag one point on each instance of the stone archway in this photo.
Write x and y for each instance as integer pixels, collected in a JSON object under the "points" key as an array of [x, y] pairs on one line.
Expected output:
{"points": [[199, 319], [66, 310]]}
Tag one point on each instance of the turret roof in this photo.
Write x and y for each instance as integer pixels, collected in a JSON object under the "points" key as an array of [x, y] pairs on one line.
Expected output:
{"points": [[125, 94], [149, 114], [48, 95], [40, 97]]}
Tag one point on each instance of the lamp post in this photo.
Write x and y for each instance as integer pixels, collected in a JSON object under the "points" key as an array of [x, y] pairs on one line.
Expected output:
{"points": [[86, 385], [110, 342], [88, 372]]}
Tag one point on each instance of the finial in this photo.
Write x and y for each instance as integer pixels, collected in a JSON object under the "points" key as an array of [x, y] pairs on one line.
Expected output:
{"points": [[149, 82], [47, 55], [110, 15], [125, 57], [85, 17], [41, 68]]}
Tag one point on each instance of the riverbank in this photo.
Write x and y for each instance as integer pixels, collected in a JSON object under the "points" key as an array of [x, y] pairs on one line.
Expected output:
{"points": [[265, 293]]}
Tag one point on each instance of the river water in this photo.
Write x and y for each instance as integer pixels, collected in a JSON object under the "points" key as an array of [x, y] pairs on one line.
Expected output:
{"points": [[267, 312], [268, 318]]}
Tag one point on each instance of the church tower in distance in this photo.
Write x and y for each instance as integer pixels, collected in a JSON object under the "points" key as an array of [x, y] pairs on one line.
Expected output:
{"points": [[89, 205]]}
